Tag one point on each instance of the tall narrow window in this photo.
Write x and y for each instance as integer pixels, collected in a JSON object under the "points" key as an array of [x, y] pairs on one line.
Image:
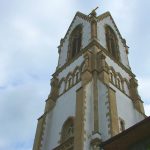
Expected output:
{"points": [[75, 41], [112, 43]]}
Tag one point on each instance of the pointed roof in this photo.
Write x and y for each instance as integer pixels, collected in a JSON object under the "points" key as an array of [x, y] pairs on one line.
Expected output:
{"points": [[88, 18]]}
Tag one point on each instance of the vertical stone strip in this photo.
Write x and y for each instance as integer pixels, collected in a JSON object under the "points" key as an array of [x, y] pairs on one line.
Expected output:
{"points": [[95, 96], [93, 25], [39, 133], [93, 29], [79, 120], [95, 89], [114, 126]]}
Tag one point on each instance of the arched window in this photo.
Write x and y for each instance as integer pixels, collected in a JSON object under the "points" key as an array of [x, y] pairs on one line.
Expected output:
{"points": [[126, 86], [119, 83], [69, 81], [121, 125], [112, 42], [77, 76], [111, 76], [62, 86], [67, 129], [75, 41]]}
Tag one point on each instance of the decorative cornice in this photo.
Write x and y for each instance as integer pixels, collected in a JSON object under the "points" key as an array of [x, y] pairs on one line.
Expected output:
{"points": [[118, 62], [83, 16], [91, 44], [104, 15]]}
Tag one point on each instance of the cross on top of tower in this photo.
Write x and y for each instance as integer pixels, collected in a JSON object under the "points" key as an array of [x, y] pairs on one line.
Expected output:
{"points": [[93, 12]]}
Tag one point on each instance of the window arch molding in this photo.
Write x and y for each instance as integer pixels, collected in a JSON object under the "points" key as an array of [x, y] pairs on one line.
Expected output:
{"points": [[61, 85], [75, 41], [69, 80], [76, 74], [120, 81], [112, 42], [113, 75], [67, 130]]}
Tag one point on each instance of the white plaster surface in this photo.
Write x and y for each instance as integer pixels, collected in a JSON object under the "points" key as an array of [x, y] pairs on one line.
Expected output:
{"points": [[103, 110], [65, 108], [126, 110], [88, 115], [117, 68], [71, 67], [85, 38]]}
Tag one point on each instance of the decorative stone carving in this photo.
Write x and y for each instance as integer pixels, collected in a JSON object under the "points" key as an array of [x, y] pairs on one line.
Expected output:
{"points": [[103, 68], [86, 75], [54, 88], [133, 88], [96, 141], [67, 129], [87, 60], [49, 105], [138, 103]]}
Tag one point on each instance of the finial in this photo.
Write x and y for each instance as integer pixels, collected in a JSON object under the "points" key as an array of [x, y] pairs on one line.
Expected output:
{"points": [[93, 12]]}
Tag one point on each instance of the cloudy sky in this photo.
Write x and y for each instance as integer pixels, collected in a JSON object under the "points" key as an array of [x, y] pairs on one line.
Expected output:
{"points": [[30, 31]]}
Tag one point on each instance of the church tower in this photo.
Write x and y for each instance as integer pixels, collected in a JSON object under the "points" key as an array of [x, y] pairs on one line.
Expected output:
{"points": [[94, 93]]}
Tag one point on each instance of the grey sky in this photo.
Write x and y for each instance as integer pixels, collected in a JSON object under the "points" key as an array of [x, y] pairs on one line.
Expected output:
{"points": [[30, 31]]}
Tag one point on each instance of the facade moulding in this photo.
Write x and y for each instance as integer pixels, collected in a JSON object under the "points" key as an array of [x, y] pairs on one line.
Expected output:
{"points": [[102, 68], [138, 103], [50, 104], [119, 63], [39, 132], [89, 46], [54, 88], [79, 120]]}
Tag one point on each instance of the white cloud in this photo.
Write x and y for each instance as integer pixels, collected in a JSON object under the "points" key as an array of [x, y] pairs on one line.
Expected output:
{"points": [[20, 106], [26, 30]]}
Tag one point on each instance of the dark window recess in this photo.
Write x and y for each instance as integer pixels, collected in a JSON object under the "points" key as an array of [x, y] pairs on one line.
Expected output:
{"points": [[75, 41], [112, 43]]}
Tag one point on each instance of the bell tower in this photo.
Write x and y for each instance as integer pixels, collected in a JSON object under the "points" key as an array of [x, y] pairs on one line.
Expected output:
{"points": [[94, 93]]}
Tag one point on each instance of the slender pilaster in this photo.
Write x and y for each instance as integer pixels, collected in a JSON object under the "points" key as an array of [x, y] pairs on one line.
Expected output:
{"points": [[114, 126], [79, 120], [95, 91], [39, 133], [93, 25]]}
